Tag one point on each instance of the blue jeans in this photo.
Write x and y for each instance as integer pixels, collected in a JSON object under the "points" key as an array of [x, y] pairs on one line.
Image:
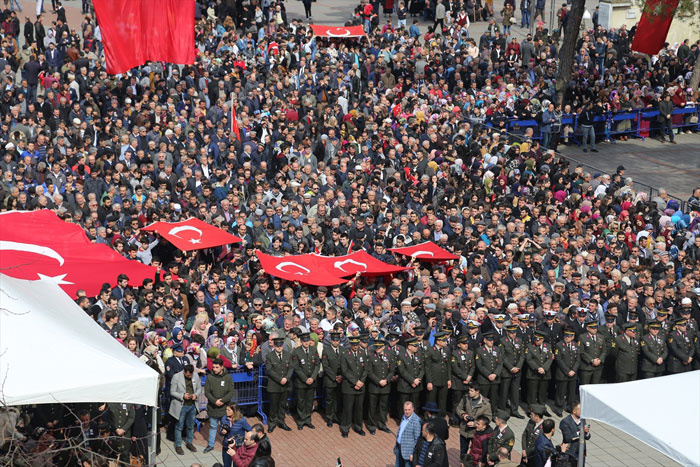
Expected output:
{"points": [[546, 139], [213, 425], [16, 2], [525, 21], [400, 461], [186, 420], [588, 136], [228, 461]]}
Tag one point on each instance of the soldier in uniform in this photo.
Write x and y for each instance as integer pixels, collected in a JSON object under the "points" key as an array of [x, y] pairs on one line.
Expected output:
{"points": [[393, 349], [681, 348], [381, 368], [122, 416], [539, 359], [627, 353], [503, 436], [692, 325], [463, 368], [489, 364], [353, 366], [568, 358], [278, 365], [513, 359], [474, 335], [532, 431], [593, 354], [609, 332], [306, 364], [666, 326], [330, 358], [552, 329], [654, 351], [411, 372], [525, 332], [438, 373]]}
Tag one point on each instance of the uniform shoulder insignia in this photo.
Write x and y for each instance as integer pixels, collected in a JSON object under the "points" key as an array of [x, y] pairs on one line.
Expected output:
{"points": [[613, 344], [511, 442], [642, 344], [398, 362], [453, 359], [476, 357], [670, 339], [556, 352]]}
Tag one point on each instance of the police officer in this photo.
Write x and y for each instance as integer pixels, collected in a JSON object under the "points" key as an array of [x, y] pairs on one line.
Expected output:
{"points": [[411, 371], [568, 358], [353, 366], [654, 351], [381, 368], [438, 373], [306, 364], [539, 359], [627, 353], [593, 354], [513, 360], [462, 366], [332, 378], [532, 431], [489, 364], [681, 349], [278, 365], [123, 416]]}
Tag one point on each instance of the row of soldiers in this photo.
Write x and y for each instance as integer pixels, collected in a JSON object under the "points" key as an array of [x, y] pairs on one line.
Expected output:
{"points": [[367, 375]]}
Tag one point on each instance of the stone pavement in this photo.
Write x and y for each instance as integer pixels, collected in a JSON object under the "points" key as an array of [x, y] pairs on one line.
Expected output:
{"points": [[321, 447]]}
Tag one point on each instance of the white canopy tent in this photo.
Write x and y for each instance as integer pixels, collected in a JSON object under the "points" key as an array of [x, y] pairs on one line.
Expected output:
{"points": [[662, 412], [52, 352]]}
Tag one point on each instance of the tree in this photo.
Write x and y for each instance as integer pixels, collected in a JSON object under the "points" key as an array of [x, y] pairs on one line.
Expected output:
{"points": [[568, 47]]}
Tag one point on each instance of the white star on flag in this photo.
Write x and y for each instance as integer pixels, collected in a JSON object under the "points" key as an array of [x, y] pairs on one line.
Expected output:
{"points": [[58, 280]]}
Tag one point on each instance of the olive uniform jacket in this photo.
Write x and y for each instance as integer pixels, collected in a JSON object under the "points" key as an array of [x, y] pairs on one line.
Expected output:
{"points": [[653, 348], [122, 416], [501, 439], [592, 347], [488, 362], [462, 366], [627, 353], [277, 368], [680, 349], [380, 367], [539, 356], [438, 366], [568, 358], [513, 356], [331, 365], [354, 369], [306, 365], [481, 406], [529, 437], [409, 368]]}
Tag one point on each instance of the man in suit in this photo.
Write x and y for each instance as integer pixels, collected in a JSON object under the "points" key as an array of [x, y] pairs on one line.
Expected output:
{"points": [[185, 388], [407, 436], [306, 364], [278, 365], [570, 428], [332, 378], [353, 366]]}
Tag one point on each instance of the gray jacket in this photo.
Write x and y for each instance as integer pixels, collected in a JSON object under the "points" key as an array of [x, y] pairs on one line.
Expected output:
{"points": [[177, 392]]}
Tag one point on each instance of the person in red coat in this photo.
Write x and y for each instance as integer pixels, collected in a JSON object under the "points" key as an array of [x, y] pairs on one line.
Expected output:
{"points": [[480, 443]]}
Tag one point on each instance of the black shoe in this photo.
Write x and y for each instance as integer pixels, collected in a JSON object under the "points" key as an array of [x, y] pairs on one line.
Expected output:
{"points": [[585, 150], [360, 432], [557, 411], [329, 423], [516, 414], [271, 428], [546, 413], [594, 150], [673, 142], [372, 432], [285, 427], [384, 429], [311, 425], [300, 427], [179, 450], [345, 434], [661, 140], [191, 447], [208, 449]]}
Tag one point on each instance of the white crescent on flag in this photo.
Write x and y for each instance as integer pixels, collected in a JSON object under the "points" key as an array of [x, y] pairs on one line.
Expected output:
{"points": [[283, 264], [31, 248], [340, 264], [337, 32], [422, 252], [182, 228]]}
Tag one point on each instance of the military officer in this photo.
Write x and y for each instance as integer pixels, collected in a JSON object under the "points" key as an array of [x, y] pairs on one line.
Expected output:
{"points": [[532, 431], [627, 353], [364, 344], [593, 354], [499, 333], [513, 360], [353, 366], [568, 358], [381, 368], [306, 364], [551, 328], [609, 332], [462, 366], [654, 351], [474, 335], [665, 324], [489, 365], [438, 372], [525, 332], [503, 436], [681, 349], [332, 378], [278, 365], [411, 371], [539, 359], [393, 349], [123, 416], [692, 325]]}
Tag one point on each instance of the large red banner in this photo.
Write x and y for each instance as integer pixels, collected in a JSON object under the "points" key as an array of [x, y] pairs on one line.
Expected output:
{"points": [[427, 251], [337, 31], [192, 234], [653, 26]]}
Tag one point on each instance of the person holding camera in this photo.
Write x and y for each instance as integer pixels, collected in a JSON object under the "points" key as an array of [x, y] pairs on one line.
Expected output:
{"points": [[469, 408], [233, 429], [544, 448], [185, 388]]}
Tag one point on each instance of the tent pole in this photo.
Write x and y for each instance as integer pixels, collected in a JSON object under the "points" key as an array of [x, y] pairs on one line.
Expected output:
{"points": [[582, 443], [154, 434]]}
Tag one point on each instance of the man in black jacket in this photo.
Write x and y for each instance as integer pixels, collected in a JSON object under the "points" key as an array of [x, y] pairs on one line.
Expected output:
{"points": [[664, 118], [430, 450], [586, 118]]}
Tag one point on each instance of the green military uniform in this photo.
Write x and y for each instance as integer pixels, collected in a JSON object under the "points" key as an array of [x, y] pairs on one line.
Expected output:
{"points": [[568, 359], [353, 367], [123, 416], [278, 365], [627, 354], [513, 351], [410, 367], [680, 348], [592, 347], [532, 431], [666, 325], [395, 351], [381, 368], [609, 332], [653, 348], [489, 361], [502, 438], [462, 366], [306, 364], [538, 355], [330, 358], [438, 371]]}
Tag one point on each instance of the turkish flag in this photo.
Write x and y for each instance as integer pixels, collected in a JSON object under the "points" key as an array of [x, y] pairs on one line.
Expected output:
{"points": [[359, 261], [307, 269], [192, 234], [234, 123], [653, 26], [37, 245], [427, 251], [136, 31], [337, 31]]}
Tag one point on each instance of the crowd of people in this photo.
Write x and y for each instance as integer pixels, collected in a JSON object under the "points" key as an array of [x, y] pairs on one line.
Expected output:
{"points": [[564, 277]]}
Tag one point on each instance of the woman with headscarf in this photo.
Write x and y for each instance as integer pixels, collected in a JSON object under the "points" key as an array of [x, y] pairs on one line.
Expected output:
{"points": [[231, 349]]}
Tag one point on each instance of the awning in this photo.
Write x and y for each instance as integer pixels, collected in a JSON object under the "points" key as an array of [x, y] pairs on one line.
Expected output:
{"points": [[337, 31]]}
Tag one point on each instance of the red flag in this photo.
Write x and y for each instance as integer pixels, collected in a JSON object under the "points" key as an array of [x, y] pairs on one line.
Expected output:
{"points": [[234, 123], [653, 26], [136, 31], [359, 261], [37, 245], [192, 234], [427, 251], [306, 269]]}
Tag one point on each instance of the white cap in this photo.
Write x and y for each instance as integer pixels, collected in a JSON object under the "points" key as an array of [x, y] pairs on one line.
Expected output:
{"points": [[686, 301]]}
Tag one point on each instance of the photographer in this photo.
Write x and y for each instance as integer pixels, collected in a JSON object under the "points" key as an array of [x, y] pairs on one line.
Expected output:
{"points": [[544, 448], [233, 429], [472, 405]]}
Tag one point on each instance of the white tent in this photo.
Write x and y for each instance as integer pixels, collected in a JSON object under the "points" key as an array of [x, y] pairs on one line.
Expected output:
{"points": [[662, 412], [51, 351]]}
